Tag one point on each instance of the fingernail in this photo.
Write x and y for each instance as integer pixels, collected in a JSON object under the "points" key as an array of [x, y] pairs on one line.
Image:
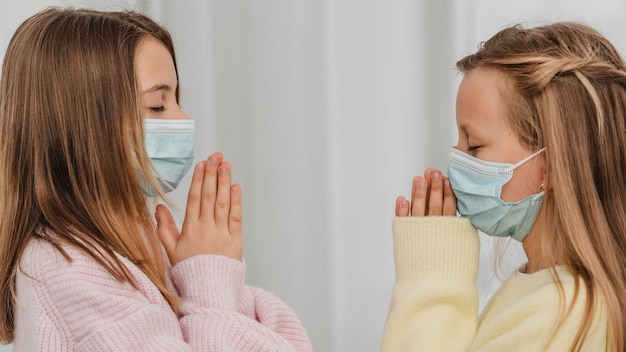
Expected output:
{"points": [[404, 204], [446, 183], [236, 191], [223, 171], [421, 185], [212, 160], [200, 166], [436, 176]]}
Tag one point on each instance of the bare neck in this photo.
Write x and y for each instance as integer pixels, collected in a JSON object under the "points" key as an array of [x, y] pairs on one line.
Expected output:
{"points": [[539, 259]]}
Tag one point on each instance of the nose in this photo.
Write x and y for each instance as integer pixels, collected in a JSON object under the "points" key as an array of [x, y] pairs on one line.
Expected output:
{"points": [[179, 114]]}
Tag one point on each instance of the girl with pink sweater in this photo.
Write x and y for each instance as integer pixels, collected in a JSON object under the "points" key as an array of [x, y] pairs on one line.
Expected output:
{"points": [[89, 127]]}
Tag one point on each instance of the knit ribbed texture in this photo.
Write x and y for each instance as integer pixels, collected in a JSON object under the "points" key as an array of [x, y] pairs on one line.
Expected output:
{"points": [[434, 241], [221, 292], [435, 291], [434, 301], [79, 306]]}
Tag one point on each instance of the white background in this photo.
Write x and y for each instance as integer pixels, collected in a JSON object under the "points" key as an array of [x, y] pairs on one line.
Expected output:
{"points": [[326, 109]]}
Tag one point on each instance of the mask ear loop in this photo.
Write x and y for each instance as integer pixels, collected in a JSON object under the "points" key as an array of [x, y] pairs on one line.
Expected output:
{"points": [[521, 162]]}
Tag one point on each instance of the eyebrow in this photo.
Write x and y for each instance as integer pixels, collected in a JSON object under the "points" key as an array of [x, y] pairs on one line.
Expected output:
{"points": [[463, 126], [157, 87], [467, 126]]}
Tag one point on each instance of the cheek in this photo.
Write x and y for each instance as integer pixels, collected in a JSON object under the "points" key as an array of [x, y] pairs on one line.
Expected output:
{"points": [[525, 181]]}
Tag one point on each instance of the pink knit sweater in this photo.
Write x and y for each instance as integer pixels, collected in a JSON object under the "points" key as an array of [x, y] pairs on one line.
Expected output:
{"points": [[79, 306]]}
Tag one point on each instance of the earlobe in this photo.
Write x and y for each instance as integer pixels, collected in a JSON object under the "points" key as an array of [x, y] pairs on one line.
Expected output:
{"points": [[545, 182]]}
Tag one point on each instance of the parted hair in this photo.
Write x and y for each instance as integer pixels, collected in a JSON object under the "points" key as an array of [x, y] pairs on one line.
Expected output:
{"points": [[72, 145], [567, 93]]}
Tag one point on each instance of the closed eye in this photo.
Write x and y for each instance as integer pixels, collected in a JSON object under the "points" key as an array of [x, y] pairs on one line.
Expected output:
{"points": [[158, 109]]}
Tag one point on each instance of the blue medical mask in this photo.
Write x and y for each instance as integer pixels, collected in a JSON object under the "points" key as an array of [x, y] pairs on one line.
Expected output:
{"points": [[169, 144], [477, 185]]}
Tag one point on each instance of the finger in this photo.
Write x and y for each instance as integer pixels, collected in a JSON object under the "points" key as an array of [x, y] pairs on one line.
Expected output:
{"points": [[427, 173], [413, 189], [402, 206], [236, 209], [435, 196], [222, 202], [420, 194], [167, 231], [209, 187], [449, 200], [194, 197]]}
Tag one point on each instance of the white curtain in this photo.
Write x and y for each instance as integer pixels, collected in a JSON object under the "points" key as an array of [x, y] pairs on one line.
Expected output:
{"points": [[326, 110]]}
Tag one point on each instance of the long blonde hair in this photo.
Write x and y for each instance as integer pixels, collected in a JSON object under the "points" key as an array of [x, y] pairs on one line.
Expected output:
{"points": [[568, 94], [72, 147]]}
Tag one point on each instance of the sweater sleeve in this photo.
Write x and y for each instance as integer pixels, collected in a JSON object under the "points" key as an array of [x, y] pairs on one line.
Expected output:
{"points": [[219, 312], [434, 303], [93, 310], [99, 313]]}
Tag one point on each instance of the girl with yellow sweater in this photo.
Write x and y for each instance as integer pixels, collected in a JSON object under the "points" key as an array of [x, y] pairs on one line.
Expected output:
{"points": [[541, 158]]}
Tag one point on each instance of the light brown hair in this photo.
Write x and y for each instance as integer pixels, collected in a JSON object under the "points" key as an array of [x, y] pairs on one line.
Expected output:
{"points": [[568, 94], [72, 146]]}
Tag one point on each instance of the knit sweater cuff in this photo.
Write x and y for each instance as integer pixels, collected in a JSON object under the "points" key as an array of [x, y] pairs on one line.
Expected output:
{"points": [[210, 281], [441, 247]]}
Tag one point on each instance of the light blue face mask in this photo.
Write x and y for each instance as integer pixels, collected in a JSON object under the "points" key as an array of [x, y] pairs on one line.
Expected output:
{"points": [[169, 144], [477, 185]]}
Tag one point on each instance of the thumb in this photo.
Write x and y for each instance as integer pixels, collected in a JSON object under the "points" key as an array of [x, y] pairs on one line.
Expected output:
{"points": [[167, 230]]}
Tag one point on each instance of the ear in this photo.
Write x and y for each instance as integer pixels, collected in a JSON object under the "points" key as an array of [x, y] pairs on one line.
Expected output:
{"points": [[545, 178]]}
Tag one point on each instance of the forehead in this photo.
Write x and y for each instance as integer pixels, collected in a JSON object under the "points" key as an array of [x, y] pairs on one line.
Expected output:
{"points": [[481, 99], [154, 64]]}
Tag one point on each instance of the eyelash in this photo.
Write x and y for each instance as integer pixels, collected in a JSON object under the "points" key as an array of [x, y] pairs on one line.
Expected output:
{"points": [[472, 149], [159, 109]]}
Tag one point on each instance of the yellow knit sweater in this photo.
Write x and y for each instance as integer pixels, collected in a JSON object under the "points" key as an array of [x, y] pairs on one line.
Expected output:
{"points": [[434, 306]]}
